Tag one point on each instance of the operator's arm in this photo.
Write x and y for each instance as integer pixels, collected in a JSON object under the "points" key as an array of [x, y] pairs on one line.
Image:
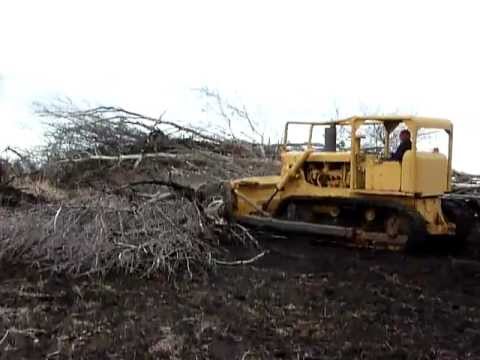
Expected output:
{"points": [[396, 156], [402, 148]]}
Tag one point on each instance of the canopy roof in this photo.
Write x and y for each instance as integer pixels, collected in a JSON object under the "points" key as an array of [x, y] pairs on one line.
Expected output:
{"points": [[410, 121]]}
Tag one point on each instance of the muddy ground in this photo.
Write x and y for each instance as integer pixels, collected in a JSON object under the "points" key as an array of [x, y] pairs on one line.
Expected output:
{"points": [[298, 302]]}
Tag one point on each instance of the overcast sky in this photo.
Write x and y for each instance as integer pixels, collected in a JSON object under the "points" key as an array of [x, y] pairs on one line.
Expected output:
{"points": [[285, 60]]}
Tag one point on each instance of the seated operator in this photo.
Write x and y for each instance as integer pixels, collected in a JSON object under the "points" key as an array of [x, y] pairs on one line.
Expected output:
{"points": [[405, 144]]}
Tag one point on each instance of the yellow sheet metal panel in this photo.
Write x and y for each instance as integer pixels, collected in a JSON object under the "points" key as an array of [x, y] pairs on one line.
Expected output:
{"points": [[412, 121], [330, 156], [432, 123], [431, 173], [256, 190], [383, 176], [324, 156]]}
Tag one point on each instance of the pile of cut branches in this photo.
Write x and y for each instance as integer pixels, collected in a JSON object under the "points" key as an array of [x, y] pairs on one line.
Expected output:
{"points": [[111, 233], [117, 216], [106, 131], [82, 144], [464, 183]]}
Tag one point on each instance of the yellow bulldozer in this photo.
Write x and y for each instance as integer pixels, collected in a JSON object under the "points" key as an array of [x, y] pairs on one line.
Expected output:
{"points": [[347, 186]]}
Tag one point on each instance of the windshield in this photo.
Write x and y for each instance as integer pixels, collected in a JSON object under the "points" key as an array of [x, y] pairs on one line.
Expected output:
{"points": [[298, 136]]}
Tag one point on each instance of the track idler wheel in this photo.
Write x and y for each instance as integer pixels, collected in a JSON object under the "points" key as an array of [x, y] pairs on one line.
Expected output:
{"points": [[408, 224]]}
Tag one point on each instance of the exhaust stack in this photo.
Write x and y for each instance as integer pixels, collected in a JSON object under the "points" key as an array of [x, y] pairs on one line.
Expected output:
{"points": [[331, 138]]}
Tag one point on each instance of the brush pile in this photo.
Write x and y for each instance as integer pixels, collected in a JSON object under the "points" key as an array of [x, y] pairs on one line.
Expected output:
{"points": [[464, 183], [135, 195]]}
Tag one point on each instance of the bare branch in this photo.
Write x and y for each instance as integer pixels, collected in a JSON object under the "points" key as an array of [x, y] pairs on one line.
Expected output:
{"points": [[241, 262]]}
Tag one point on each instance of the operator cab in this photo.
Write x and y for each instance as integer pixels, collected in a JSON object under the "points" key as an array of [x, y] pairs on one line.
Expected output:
{"points": [[423, 168], [364, 163]]}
